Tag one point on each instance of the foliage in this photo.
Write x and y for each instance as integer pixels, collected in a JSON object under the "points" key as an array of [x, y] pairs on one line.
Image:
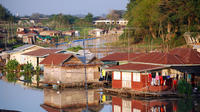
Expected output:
{"points": [[11, 70], [115, 14], [60, 21], [5, 15], [184, 88], [165, 19], [89, 17], [75, 49], [27, 73]]}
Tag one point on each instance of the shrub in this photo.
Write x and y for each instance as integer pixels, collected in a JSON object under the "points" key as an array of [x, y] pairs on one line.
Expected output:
{"points": [[184, 88]]}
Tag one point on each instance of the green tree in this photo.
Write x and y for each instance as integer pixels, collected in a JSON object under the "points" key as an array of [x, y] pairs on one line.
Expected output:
{"points": [[184, 88], [12, 70], [5, 15], [27, 73], [89, 17]]}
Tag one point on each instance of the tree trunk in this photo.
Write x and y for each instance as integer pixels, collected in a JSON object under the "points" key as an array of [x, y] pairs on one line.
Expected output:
{"points": [[152, 32]]}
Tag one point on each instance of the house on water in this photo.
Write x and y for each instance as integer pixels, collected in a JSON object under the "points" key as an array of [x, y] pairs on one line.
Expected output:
{"points": [[69, 68], [157, 71], [36, 56], [17, 52]]}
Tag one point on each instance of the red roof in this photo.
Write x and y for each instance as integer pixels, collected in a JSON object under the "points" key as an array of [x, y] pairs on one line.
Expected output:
{"points": [[136, 67], [120, 56], [56, 59], [32, 32], [41, 52], [21, 32], [158, 58], [188, 55]]}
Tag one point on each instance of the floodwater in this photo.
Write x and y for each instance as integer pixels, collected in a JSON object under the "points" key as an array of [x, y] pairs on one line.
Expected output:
{"points": [[20, 98]]}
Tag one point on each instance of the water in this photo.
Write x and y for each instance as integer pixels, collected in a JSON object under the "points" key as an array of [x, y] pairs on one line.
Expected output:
{"points": [[20, 98]]}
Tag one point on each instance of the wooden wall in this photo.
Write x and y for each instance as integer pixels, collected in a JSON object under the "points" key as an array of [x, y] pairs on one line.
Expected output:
{"points": [[70, 74]]}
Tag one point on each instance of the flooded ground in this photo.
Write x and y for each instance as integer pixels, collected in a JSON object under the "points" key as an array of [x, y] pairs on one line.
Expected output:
{"points": [[20, 98]]}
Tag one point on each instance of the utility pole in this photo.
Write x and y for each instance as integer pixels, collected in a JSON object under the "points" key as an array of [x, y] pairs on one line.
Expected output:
{"points": [[85, 62]]}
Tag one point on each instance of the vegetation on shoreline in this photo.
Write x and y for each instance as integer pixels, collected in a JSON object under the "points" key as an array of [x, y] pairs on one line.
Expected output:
{"points": [[166, 20]]}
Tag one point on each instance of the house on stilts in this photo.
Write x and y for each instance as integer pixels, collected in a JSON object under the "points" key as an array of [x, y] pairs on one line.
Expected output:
{"points": [[157, 71]]}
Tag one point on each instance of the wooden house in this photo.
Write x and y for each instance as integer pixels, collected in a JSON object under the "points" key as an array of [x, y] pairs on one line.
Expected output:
{"points": [[157, 71], [68, 68], [69, 100]]}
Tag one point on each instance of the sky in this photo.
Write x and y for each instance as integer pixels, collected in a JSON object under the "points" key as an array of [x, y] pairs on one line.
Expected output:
{"points": [[73, 7]]}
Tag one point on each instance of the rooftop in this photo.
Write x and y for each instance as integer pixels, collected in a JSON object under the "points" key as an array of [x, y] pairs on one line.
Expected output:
{"points": [[121, 56], [42, 52], [136, 67], [56, 59]]}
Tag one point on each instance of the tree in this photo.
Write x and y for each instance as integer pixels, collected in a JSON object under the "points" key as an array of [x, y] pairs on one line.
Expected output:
{"points": [[5, 15], [165, 19], [89, 17], [27, 73], [12, 70], [115, 14]]}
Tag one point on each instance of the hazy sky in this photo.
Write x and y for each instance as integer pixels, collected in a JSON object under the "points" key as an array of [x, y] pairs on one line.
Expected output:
{"points": [[96, 7]]}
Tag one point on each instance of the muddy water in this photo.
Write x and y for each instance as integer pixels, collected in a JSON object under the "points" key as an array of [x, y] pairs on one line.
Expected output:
{"points": [[20, 98]]}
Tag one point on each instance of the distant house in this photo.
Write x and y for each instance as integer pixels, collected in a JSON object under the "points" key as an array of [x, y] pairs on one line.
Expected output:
{"points": [[21, 29], [50, 33], [68, 33], [21, 34], [29, 38], [17, 52], [157, 71], [96, 32], [68, 68], [121, 22], [34, 28], [36, 56]]}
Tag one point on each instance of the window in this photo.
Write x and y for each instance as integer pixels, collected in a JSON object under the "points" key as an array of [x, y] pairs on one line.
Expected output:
{"points": [[117, 108], [136, 77], [117, 76], [136, 110]]}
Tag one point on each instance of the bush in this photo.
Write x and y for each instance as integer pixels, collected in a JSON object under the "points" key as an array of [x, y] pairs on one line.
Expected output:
{"points": [[184, 88], [75, 49]]}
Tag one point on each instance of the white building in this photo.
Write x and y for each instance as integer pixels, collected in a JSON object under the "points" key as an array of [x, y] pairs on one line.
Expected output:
{"points": [[107, 21]]}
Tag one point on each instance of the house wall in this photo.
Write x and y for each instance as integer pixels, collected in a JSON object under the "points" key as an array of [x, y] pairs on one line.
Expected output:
{"points": [[21, 58], [142, 85], [116, 83], [70, 74], [31, 59], [70, 98]]}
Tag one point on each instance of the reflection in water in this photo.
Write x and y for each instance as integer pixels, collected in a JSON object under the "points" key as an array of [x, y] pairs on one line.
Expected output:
{"points": [[70, 100], [127, 105], [158, 105], [74, 100]]}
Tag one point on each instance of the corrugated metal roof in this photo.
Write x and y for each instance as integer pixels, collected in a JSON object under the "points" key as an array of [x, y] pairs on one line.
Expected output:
{"points": [[136, 67], [42, 52], [21, 48]]}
